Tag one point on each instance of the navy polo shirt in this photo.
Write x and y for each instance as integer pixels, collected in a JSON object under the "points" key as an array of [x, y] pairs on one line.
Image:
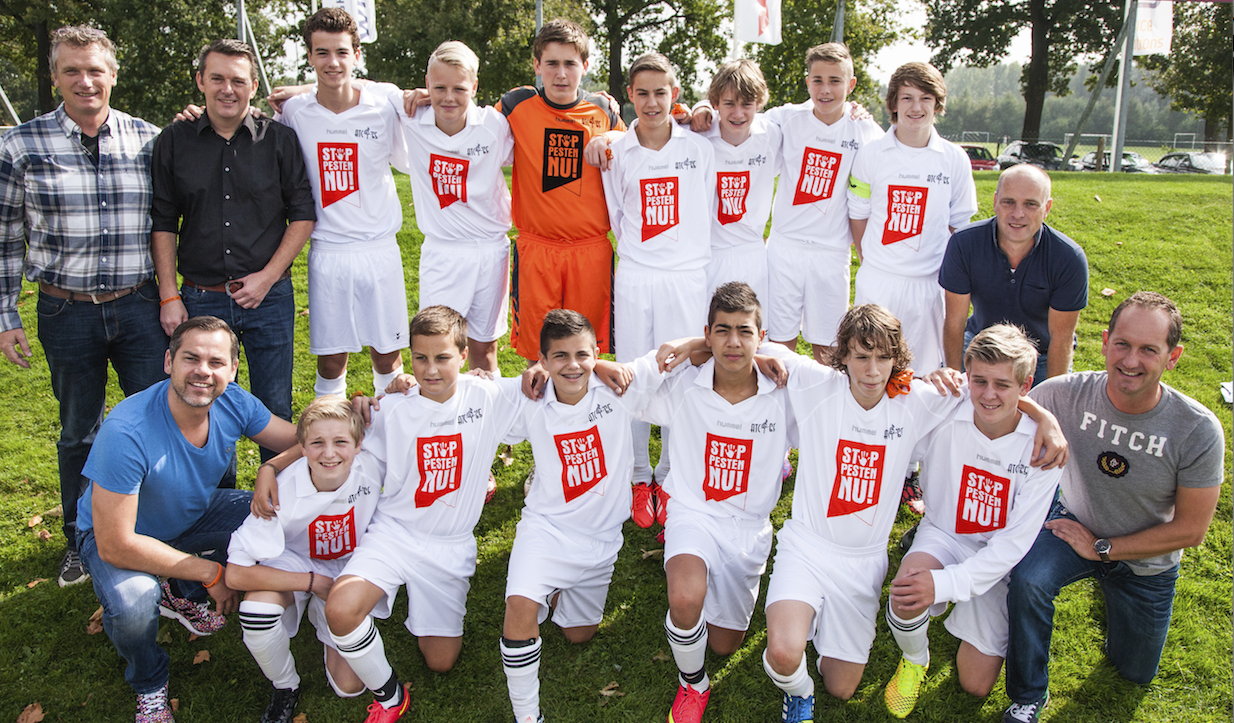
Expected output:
{"points": [[1054, 275]]}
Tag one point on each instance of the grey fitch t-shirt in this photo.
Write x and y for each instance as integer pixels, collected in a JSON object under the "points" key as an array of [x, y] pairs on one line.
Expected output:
{"points": [[1125, 468]]}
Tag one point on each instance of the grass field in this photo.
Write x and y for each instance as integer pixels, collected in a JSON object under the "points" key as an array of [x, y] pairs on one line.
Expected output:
{"points": [[1170, 234]]}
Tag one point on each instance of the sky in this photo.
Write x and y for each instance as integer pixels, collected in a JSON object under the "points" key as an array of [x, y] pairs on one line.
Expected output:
{"points": [[893, 56]]}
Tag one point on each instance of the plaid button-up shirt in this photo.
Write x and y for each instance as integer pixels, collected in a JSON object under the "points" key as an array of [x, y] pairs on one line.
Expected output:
{"points": [[65, 222]]}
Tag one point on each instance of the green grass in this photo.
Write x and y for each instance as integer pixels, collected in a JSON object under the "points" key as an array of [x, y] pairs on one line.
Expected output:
{"points": [[1170, 234]]}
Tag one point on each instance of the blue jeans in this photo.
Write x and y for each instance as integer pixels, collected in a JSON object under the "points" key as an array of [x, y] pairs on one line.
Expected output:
{"points": [[79, 338], [130, 598], [1137, 610], [268, 335]]}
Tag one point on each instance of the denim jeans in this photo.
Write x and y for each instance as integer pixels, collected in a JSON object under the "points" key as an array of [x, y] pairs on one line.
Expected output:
{"points": [[1137, 608], [79, 338], [268, 335], [130, 599]]}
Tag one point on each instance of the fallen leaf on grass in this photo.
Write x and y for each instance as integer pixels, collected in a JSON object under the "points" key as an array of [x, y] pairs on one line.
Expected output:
{"points": [[56, 511], [304, 313], [95, 626], [610, 690], [1097, 198], [87, 700], [201, 657], [34, 521], [506, 456], [36, 581], [302, 718], [175, 705], [661, 657], [1118, 243], [32, 713], [658, 554], [193, 636], [44, 535], [1107, 291], [29, 292]]}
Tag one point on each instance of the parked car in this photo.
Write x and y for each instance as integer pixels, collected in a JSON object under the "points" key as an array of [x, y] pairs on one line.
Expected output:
{"points": [[1041, 154], [1132, 163], [1187, 162], [979, 157]]}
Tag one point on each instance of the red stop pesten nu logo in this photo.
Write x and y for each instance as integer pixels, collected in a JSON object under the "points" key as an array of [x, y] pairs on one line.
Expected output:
{"points": [[726, 467], [449, 178], [732, 191], [332, 536], [982, 506], [859, 477], [905, 213], [818, 176], [440, 462], [336, 166], [660, 205], [582, 462]]}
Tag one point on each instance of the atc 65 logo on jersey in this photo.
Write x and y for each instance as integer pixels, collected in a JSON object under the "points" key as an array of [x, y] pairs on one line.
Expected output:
{"points": [[563, 157], [449, 178], [336, 164], [983, 501], [332, 536], [732, 189], [582, 462], [905, 213], [440, 460], [859, 477], [660, 205], [818, 176], [727, 467]]}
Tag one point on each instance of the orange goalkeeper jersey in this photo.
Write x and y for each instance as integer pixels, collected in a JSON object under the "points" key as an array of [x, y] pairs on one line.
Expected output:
{"points": [[557, 195]]}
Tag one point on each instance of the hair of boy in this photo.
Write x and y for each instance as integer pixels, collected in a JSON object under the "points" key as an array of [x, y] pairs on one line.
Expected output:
{"points": [[743, 79], [330, 407], [566, 32], [875, 328], [206, 324], [655, 62], [440, 321], [563, 324], [922, 76], [82, 36], [230, 47], [1152, 301], [457, 54], [330, 20], [1003, 343], [735, 297], [830, 53]]}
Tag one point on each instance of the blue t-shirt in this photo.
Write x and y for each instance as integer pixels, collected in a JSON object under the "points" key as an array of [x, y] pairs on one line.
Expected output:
{"points": [[140, 450], [1054, 275]]}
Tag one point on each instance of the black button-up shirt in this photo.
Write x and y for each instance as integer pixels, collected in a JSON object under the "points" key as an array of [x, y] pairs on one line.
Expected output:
{"points": [[235, 195]]}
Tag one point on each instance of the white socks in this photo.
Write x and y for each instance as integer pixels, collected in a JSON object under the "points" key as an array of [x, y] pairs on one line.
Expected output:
{"points": [[663, 467], [381, 381], [689, 650], [911, 636], [267, 640], [331, 386], [798, 683], [521, 661], [366, 655]]}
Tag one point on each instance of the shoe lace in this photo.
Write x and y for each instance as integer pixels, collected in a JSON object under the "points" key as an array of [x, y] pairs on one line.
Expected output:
{"points": [[1022, 712], [798, 707], [152, 702]]}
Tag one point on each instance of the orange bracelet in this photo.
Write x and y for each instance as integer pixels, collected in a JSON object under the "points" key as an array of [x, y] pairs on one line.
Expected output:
{"points": [[169, 299], [217, 577]]}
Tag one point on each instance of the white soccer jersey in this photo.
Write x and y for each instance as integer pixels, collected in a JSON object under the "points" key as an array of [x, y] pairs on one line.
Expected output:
{"points": [[910, 196], [459, 191], [348, 156], [584, 455], [852, 461], [660, 203], [983, 492], [438, 456], [314, 525], [811, 204], [727, 458], [745, 183]]}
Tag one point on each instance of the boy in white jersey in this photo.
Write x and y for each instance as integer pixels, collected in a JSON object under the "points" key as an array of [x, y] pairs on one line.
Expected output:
{"points": [[456, 151], [859, 421], [731, 430], [747, 148], [984, 505], [291, 562], [570, 531], [907, 192], [350, 135], [660, 203]]}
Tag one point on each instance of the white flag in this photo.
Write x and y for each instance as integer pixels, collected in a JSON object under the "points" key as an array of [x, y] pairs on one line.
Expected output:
{"points": [[757, 21], [364, 12], [1154, 24]]}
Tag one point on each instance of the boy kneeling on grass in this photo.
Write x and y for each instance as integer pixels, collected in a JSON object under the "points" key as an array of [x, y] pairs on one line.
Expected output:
{"points": [[984, 505], [290, 562]]}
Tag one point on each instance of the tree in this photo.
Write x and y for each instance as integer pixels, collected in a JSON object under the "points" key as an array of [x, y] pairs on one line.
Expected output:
{"points": [[979, 32], [1197, 74], [869, 26], [687, 31]]}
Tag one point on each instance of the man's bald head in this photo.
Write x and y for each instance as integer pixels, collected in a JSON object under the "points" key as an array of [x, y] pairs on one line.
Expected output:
{"points": [[1021, 203], [1025, 171]]}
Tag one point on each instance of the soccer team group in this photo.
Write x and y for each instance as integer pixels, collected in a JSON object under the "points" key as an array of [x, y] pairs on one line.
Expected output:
{"points": [[367, 497]]}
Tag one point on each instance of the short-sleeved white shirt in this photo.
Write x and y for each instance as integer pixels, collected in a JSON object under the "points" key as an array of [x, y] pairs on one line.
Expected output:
{"points": [[348, 157], [727, 458], [745, 184]]}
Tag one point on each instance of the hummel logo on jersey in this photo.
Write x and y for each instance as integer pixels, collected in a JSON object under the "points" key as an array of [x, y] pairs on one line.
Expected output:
{"points": [[727, 466], [859, 477], [582, 462], [472, 414], [477, 150], [687, 163], [758, 160], [599, 412], [728, 425], [850, 144], [938, 178], [767, 426], [912, 176], [367, 133], [336, 131], [982, 506], [440, 462], [563, 155], [987, 460], [332, 536], [893, 432], [361, 490]]}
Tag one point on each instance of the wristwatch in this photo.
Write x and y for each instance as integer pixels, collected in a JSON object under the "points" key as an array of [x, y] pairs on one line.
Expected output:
{"points": [[1102, 547]]}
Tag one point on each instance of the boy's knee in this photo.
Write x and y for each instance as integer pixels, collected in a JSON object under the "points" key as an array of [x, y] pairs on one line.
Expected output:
{"points": [[784, 659], [841, 691]]}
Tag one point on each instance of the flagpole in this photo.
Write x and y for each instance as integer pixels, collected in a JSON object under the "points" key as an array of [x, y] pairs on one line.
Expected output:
{"points": [[837, 29]]}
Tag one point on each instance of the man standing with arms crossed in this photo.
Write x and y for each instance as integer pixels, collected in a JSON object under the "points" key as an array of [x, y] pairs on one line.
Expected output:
{"points": [[74, 216], [240, 187]]}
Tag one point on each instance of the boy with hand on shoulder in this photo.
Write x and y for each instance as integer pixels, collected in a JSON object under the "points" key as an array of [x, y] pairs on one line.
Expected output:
{"points": [[907, 193], [660, 202], [860, 419], [291, 562], [984, 505]]}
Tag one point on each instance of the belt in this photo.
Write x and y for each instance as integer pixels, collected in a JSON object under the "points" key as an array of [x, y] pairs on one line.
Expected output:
{"points": [[59, 293], [228, 287]]}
